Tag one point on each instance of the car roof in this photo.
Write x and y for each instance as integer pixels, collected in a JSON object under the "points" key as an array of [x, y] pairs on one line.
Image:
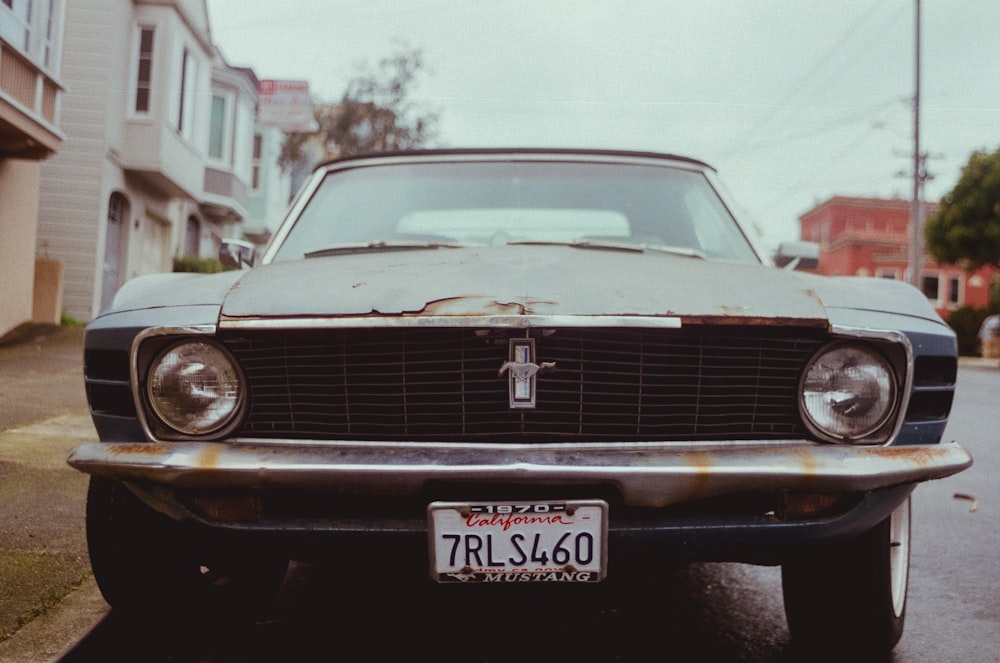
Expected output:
{"points": [[509, 151]]}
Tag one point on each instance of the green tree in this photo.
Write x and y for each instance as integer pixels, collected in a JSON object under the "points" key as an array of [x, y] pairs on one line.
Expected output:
{"points": [[375, 114], [966, 229]]}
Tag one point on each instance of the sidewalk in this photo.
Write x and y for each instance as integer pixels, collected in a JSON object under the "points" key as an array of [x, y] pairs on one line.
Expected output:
{"points": [[979, 362], [48, 598]]}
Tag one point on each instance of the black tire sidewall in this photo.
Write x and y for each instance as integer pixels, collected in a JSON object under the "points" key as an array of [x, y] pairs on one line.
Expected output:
{"points": [[144, 562], [840, 599]]}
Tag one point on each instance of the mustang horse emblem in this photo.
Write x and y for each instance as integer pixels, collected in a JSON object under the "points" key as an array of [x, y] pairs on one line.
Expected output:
{"points": [[521, 370]]}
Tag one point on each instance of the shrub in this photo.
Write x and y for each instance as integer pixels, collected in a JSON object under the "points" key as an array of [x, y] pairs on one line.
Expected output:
{"points": [[965, 321], [195, 264]]}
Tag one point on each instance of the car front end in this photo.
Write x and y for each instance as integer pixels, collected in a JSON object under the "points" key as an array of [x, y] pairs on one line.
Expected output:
{"points": [[548, 409]]}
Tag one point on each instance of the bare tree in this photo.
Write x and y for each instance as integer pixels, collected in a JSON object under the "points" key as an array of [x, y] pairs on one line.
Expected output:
{"points": [[375, 114]]}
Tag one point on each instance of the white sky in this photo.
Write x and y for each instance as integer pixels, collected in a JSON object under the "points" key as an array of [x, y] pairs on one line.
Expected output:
{"points": [[793, 101]]}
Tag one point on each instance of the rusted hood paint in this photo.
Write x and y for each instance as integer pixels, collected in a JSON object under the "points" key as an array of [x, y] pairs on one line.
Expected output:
{"points": [[521, 280], [530, 280]]}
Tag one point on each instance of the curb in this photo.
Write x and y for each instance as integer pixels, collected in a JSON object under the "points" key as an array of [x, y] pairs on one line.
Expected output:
{"points": [[50, 636], [979, 363]]}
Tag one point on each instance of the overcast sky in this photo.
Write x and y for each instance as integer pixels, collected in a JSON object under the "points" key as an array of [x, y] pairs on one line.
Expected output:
{"points": [[793, 101]]}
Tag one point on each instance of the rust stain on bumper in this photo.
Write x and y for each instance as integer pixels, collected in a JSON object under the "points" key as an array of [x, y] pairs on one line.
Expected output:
{"points": [[919, 456], [209, 458], [138, 449]]}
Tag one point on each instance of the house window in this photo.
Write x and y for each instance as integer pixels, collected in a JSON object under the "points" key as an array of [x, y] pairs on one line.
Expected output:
{"points": [[885, 273], [930, 286], [243, 132], [17, 28], [192, 237], [51, 51], [144, 78], [186, 95], [184, 79], [255, 175], [217, 128], [954, 290]]}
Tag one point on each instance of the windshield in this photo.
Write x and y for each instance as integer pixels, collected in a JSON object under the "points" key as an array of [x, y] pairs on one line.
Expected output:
{"points": [[483, 203]]}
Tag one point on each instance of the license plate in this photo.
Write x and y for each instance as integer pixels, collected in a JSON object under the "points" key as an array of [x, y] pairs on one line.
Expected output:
{"points": [[518, 541]]}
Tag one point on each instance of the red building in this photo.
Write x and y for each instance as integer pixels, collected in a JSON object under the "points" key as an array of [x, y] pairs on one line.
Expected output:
{"points": [[870, 237]]}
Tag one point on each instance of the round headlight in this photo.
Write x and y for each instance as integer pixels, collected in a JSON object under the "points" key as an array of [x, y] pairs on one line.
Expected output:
{"points": [[195, 387], [848, 392]]}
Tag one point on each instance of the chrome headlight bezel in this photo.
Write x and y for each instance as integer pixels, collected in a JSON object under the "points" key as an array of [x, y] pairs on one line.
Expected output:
{"points": [[223, 402], [867, 384]]}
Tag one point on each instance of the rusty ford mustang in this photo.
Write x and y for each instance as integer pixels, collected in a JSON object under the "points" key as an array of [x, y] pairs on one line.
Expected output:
{"points": [[516, 366]]}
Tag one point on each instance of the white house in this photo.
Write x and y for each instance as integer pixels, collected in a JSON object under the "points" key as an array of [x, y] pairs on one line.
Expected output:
{"points": [[157, 160]]}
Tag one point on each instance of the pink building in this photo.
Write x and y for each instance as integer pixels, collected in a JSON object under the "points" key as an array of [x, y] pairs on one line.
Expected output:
{"points": [[870, 237]]}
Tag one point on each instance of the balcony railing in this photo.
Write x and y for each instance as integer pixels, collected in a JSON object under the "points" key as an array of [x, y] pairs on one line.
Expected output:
{"points": [[29, 107]]}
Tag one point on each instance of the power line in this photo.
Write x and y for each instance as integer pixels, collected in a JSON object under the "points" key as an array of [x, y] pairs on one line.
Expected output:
{"points": [[817, 130], [809, 80]]}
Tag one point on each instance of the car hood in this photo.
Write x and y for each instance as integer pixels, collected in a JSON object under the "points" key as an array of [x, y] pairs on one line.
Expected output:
{"points": [[547, 280]]}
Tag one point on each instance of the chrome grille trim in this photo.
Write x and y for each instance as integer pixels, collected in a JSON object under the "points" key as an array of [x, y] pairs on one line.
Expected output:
{"points": [[456, 321], [442, 385]]}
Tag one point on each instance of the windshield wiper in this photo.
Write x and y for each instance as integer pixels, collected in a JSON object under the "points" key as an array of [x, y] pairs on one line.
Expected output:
{"points": [[582, 244], [374, 247], [675, 250], [618, 246]]}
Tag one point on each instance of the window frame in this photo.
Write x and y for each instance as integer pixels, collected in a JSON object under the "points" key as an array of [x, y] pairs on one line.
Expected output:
{"points": [[890, 273], [257, 155], [18, 33], [225, 130], [34, 29], [184, 115], [954, 291], [925, 280], [50, 36], [136, 71]]}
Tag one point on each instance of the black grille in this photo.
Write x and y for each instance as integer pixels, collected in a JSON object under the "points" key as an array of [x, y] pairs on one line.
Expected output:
{"points": [[423, 384]]}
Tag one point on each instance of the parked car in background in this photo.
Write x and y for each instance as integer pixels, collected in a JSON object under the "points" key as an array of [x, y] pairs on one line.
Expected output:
{"points": [[516, 366], [989, 337]]}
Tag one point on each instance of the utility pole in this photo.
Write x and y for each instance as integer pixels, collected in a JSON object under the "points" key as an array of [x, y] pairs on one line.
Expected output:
{"points": [[916, 257]]}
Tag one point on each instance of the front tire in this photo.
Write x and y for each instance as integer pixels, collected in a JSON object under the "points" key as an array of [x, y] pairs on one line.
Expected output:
{"points": [[145, 562], [852, 596]]}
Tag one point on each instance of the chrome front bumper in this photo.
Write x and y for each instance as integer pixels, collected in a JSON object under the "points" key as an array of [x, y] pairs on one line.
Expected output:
{"points": [[647, 475]]}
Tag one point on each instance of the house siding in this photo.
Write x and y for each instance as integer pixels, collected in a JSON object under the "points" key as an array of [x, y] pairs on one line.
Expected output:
{"points": [[109, 150], [71, 197], [152, 175]]}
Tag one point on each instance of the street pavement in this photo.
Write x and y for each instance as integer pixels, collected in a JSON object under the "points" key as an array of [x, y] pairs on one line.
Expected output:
{"points": [[48, 598]]}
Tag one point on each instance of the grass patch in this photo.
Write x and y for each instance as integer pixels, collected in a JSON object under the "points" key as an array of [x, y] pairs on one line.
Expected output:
{"points": [[66, 320]]}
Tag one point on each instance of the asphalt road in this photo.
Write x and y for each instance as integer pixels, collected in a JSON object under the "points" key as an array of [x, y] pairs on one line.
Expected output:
{"points": [[704, 612]]}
